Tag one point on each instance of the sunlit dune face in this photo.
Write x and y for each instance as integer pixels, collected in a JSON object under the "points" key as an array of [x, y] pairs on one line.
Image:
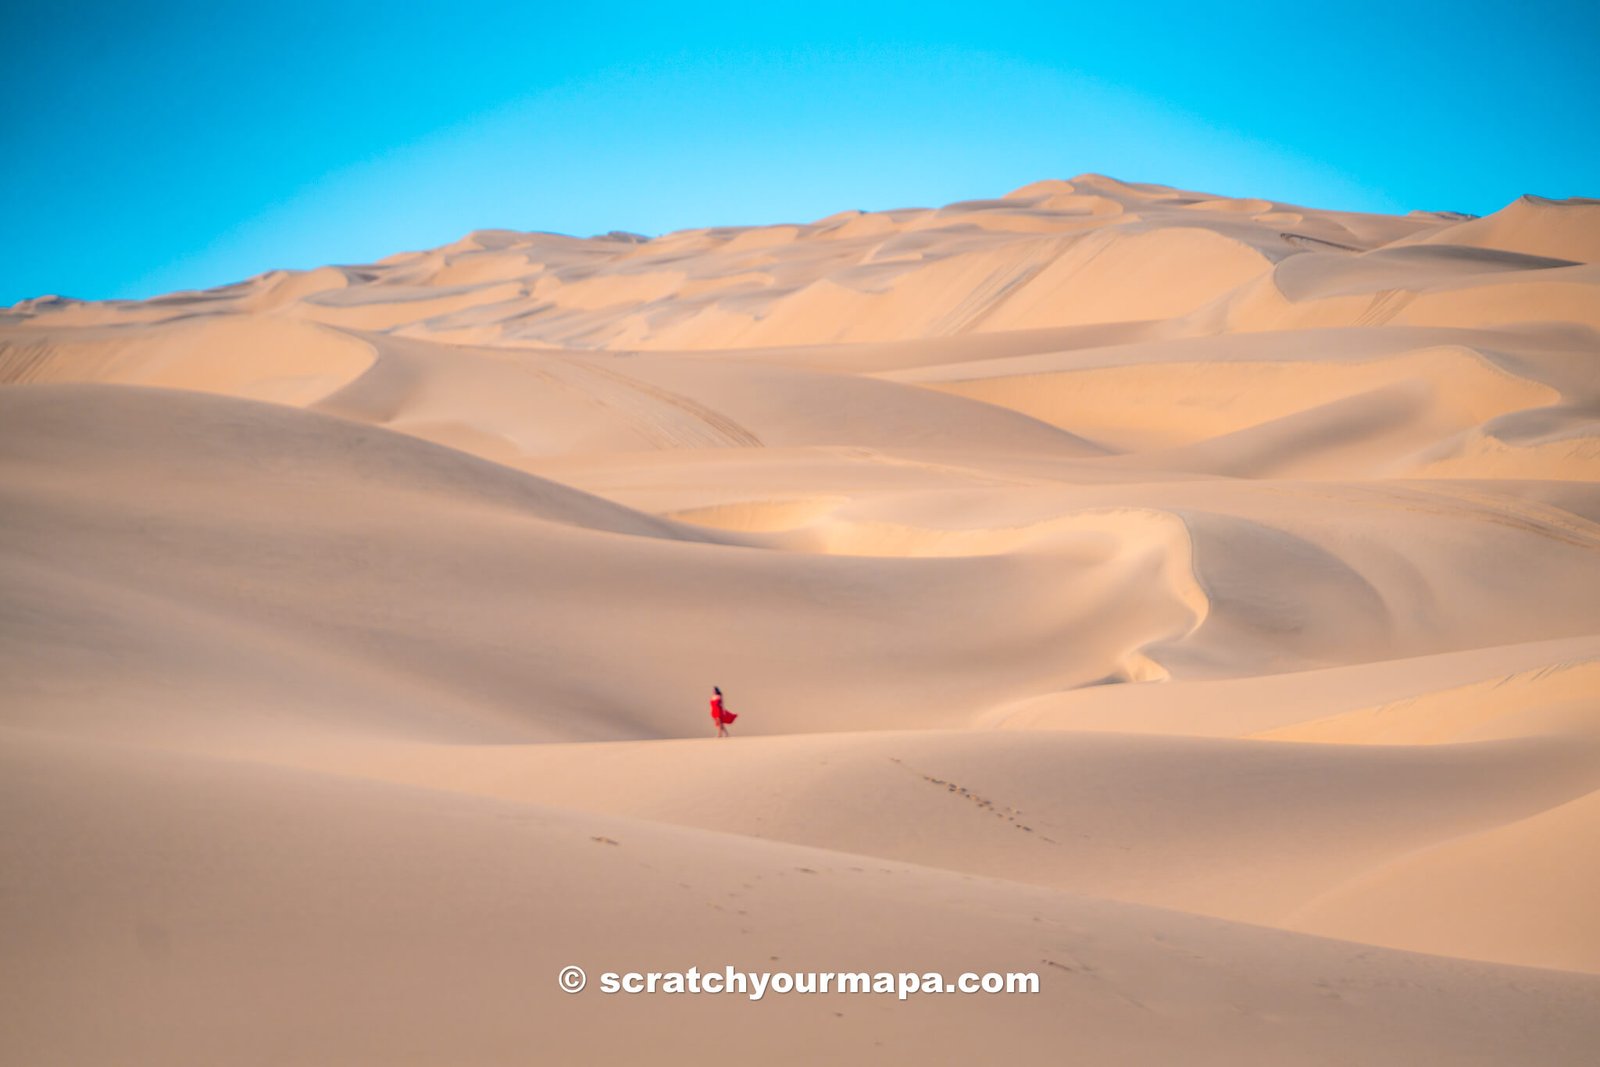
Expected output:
{"points": [[1193, 599]]}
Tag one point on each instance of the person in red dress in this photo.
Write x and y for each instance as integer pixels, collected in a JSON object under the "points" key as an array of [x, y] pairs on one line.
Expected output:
{"points": [[719, 714]]}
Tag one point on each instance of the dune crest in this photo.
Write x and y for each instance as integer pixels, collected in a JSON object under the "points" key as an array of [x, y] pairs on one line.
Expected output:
{"points": [[1193, 598]]}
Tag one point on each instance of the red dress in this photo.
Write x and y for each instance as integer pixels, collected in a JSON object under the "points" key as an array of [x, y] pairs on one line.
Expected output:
{"points": [[719, 714]]}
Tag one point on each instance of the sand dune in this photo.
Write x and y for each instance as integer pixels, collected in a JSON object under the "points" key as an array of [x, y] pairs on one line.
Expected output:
{"points": [[355, 922], [1193, 598]]}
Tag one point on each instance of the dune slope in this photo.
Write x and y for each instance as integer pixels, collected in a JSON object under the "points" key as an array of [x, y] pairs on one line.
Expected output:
{"points": [[1192, 599]]}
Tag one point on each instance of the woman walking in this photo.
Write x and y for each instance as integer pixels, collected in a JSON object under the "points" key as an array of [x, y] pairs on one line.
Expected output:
{"points": [[719, 714]]}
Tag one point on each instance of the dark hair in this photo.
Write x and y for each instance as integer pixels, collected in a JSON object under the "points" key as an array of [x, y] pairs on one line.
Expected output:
{"points": [[717, 691]]}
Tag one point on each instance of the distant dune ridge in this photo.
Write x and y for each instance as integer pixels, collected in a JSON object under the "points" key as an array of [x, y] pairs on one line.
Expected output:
{"points": [[1193, 599]]}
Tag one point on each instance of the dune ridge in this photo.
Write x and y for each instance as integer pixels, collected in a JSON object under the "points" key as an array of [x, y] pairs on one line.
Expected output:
{"points": [[1193, 598]]}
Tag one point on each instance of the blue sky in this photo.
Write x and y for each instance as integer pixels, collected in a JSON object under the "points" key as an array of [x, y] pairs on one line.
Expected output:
{"points": [[151, 147]]}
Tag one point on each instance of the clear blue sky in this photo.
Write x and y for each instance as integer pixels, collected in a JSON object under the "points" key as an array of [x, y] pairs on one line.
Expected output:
{"points": [[150, 147]]}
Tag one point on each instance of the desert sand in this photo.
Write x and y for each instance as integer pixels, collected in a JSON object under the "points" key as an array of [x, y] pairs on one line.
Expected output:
{"points": [[1194, 600]]}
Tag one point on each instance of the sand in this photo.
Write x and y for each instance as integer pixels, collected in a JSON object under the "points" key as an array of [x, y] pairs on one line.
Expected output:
{"points": [[1195, 600]]}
